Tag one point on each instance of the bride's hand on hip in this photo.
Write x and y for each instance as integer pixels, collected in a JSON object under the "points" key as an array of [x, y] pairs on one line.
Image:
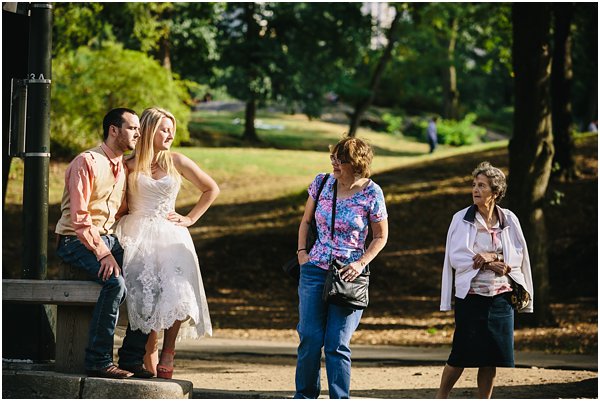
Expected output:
{"points": [[179, 220]]}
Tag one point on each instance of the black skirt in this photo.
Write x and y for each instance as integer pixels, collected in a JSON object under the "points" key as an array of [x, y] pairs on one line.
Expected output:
{"points": [[484, 334]]}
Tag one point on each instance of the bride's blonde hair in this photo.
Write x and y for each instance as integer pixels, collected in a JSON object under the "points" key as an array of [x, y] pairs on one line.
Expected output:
{"points": [[144, 150]]}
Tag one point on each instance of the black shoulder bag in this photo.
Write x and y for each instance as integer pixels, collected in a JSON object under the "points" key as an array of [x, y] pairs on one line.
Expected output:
{"points": [[292, 267], [350, 294]]}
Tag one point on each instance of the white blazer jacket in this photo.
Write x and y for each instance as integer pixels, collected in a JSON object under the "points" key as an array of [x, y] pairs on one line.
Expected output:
{"points": [[459, 254]]}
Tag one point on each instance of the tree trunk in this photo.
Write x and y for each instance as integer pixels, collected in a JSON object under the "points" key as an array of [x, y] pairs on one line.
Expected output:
{"points": [[251, 42], [450, 88], [562, 75], [531, 148], [363, 104], [165, 53], [249, 129]]}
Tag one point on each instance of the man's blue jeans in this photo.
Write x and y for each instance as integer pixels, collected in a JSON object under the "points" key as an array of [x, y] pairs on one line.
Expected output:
{"points": [[322, 325], [99, 351]]}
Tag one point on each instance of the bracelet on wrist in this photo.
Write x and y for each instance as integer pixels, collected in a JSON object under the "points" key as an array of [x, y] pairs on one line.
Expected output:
{"points": [[300, 250]]}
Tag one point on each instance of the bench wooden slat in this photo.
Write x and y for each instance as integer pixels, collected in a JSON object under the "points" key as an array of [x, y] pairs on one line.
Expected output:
{"points": [[59, 292], [75, 302]]}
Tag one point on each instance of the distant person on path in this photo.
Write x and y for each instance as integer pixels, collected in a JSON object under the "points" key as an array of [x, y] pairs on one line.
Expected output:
{"points": [[487, 254], [593, 127], [432, 134], [160, 263], [360, 201], [93, 196]]}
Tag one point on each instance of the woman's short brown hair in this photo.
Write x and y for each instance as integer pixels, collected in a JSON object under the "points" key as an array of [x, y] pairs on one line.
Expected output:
{"points": [[356, 152], [496, 178]]}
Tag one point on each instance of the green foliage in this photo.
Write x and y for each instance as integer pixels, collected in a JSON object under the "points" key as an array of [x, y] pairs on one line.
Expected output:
{"points": [[556, 197], [416, 127], [458, 133], [88, 83], [449, 132], [304, 50], [498, 120], [291, 53], [394, 123], [184, 31], [193, 34], [75, 24], [414, 80], [320, 43]]}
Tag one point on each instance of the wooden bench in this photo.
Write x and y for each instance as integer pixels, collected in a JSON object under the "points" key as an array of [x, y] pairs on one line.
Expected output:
{"points": [[75, 302]]}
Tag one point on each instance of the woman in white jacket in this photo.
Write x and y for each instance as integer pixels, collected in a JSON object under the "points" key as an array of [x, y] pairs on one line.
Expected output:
{"points": [[487, 252]]}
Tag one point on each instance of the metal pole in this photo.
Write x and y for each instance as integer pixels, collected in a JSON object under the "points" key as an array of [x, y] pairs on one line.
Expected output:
{"points": [[37, 147]]}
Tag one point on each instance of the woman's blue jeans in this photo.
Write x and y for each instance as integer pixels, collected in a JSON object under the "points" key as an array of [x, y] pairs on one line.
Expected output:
{"points": [[99, 351], [322, 326]]}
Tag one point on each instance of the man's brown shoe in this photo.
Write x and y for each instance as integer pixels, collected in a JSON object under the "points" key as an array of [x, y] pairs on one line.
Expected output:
{"points": [[138, 371], [109, 372]]}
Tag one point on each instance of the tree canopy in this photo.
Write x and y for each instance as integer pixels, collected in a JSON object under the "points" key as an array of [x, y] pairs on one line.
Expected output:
{"points": [[448, 59]]}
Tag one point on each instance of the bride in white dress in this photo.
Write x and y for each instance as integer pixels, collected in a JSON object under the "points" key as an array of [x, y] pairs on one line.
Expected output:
{"points": [[160, 266]]}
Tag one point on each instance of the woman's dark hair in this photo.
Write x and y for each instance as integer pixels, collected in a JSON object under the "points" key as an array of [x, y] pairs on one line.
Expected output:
{"points": [[496, 178], [115, 117]]}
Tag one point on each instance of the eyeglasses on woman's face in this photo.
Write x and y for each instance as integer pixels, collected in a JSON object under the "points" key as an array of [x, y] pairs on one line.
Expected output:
{"points": [[335, 160]]}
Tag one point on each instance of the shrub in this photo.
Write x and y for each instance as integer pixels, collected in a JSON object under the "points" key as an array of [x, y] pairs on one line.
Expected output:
{"points": [[393, 123], [499, 120], [87, 83], [461, 132], [450, 132]]}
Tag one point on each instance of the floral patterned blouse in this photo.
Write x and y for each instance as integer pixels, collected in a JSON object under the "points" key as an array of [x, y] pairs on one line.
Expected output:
{"points": [[352, 216]]}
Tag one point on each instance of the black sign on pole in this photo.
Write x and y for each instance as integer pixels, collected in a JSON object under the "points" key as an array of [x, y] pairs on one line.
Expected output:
{"points": [[37, 145], [32, 337], [15, 45]]}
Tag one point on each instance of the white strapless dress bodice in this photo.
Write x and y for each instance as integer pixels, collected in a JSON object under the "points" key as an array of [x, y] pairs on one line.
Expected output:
{"points": [[160, 265]]}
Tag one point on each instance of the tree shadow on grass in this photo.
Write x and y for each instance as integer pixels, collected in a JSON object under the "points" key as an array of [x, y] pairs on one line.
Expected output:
{"points": [[215, 138]]}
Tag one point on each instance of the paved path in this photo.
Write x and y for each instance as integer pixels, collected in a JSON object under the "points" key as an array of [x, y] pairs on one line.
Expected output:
{"points": [[378, 353], [232, 368]]}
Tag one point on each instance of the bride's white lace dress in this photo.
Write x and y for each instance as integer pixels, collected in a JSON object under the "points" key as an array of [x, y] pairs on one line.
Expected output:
{"points": [[160, 265]]}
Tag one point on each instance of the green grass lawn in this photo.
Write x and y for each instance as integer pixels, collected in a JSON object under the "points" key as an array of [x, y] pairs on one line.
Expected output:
{"points": [[283, 164]]}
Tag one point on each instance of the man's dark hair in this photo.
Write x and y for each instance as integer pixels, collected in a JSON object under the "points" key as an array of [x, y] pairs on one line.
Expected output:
{"points": [[115, 117]]}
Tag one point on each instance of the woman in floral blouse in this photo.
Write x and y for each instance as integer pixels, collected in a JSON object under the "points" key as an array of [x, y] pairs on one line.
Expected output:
{"points": [[359, 202]]}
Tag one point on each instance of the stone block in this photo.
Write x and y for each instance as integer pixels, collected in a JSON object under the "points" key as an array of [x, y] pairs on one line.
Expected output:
{"points": [[136, 388], [37, 384]]}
